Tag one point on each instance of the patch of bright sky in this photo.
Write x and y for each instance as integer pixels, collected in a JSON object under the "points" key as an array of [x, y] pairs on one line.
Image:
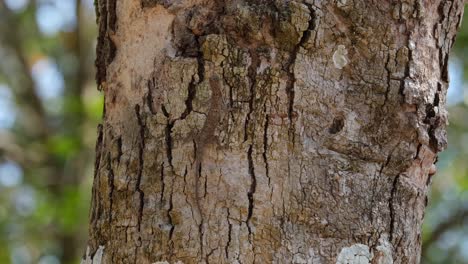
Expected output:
{"points": [[88, 4], [48, 79], [49, 259], [464, 248], [456, 87], [16, 5], [24, 200], [7, 107], [20, 254], [11, 174], [56, 15]]}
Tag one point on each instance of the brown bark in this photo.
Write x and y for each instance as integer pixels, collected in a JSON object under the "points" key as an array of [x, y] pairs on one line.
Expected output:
{"points": [[253, 131]]}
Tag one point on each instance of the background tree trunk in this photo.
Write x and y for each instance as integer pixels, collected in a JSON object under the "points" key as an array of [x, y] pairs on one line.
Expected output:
{"points": [[253, 131]]}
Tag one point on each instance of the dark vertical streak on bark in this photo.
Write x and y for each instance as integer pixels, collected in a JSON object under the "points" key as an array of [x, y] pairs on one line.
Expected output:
{"points": [[200, 236], [291, 81], [111, 185], [389, 75], [169, 217], [253, 187], [95, 193], [149, 96], [119, 149], [391, 206], [407, 71], [192, 87], [141, 150], [105, 48], [191, 95], [98, 149], [169, 142], [163, 186], [112, 19], [252, 75], [432, 119], [265, 147], [226, 248]]}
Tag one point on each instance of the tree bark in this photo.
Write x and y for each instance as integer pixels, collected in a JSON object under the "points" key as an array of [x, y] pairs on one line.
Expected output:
{"points": [[254, 131]]}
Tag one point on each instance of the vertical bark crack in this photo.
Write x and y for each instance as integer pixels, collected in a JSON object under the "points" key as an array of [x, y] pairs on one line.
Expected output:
{"points": [[389, 77], [169, 217], [105, 48], [141, 150], [252, 75], [290, 67], [169, 142], [265, 146], [407, 70], [111, 185], [253, 187], [391, 205], [149, 97], [226, 248], [163, 185], [192, 87]]}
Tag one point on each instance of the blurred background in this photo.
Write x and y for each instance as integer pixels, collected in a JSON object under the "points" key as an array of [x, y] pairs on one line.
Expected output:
{"points": [[49, 111]]}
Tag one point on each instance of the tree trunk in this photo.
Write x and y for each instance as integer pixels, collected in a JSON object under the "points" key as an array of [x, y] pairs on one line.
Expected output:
{"points": [[254, 131]]}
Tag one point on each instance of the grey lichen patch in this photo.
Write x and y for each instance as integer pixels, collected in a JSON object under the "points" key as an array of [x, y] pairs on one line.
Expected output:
{"points": [[96, 259], [355, 254], [340, 58], [342, 3], [384, 251]]}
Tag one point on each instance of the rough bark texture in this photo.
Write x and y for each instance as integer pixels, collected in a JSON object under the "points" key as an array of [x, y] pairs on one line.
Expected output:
{"points": [[254, 131]]}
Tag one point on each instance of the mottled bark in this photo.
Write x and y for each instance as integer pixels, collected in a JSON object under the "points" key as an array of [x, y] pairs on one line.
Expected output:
{"points": [[254, 131]]}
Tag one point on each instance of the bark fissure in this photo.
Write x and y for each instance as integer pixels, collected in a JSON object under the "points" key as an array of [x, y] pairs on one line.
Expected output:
{"points": [[163, 185], [149, 97], [252, 75], [98, 149], [228, 243], [265, 146], [291, 64], [391, 206], [111, 186], [141, 152], [119, 149], [251, 192], [169, 217], [169, 140], [105, 48], [407, 68], [192, 87]]}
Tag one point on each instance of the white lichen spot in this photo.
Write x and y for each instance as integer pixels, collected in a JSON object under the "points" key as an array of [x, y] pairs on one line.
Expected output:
{"points": [[341, 3], [384, 251], [171, 51], [96, 259], [355, 254], [340, 58]]}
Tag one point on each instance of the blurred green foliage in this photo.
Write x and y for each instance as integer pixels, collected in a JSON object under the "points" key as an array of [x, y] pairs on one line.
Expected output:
{"points": [[48, 117], [49, 109]]}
